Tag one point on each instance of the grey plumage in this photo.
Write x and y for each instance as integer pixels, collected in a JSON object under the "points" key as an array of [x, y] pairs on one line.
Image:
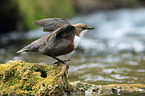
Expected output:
{"points": [[51, 24], [49, 45], [59, 41]]}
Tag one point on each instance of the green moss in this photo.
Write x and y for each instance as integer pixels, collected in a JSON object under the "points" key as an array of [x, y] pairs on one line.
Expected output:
{"points": [[133, 3], [38, 9], [92, 89], [23, 78], [32, 78]]}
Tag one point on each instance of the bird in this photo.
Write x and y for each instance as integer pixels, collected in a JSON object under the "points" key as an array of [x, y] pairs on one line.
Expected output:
{"points": [[62, 39]]}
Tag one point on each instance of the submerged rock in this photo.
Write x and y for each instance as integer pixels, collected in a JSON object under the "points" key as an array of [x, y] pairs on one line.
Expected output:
{"points": [[114, 89], [23, 78]]}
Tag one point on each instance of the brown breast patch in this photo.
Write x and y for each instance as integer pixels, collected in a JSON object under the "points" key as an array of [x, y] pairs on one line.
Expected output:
{"points": [[70, 48]]}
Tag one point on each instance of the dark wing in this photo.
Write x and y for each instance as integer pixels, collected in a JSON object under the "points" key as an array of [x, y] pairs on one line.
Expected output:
{"points": [[51, 24], [35, 45], [62, 30]]}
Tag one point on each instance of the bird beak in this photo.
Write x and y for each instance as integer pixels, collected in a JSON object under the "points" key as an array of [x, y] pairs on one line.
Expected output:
{"points": [[90, 27]]}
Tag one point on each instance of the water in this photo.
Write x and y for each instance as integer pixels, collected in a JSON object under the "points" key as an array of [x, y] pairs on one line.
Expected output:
{"points": [[114, 52]]}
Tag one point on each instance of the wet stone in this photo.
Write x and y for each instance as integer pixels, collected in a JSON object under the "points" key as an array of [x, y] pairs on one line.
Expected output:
{"points": [[23, 78]]}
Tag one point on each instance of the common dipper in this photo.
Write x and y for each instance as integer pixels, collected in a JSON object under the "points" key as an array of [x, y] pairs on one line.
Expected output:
{"points": [[62, 39]]}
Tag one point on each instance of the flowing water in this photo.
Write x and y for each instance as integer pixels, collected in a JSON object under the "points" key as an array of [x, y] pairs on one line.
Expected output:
{"points": [[114, 52]]}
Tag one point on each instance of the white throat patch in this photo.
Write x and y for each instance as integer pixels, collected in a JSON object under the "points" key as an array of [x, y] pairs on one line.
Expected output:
{"points": [[77, 39]]}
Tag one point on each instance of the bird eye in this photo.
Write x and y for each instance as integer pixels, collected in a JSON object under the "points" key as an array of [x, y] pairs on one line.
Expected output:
{"points": [[83, 28]]}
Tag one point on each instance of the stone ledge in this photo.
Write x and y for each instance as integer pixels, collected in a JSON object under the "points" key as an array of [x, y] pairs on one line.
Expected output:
{"points": [[23, 78]]}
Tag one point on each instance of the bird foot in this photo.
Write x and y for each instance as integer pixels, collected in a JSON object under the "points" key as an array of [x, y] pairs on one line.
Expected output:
{"points": [[62, 61], [65, 61]]}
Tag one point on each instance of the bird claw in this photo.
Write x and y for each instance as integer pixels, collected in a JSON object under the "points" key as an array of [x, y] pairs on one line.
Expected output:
{"points": [[65, 61], [57, 62], [60, 61]]}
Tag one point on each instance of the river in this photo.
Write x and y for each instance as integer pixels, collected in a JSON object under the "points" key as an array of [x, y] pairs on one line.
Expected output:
{"points": [[114, 52]]}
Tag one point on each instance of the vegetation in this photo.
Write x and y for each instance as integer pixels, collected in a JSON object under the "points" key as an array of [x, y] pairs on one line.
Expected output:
{"points": [[39, 9], [20, 78], [23, 78]]}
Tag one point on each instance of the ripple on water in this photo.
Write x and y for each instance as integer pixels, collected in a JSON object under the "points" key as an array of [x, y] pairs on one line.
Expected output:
{"points": [[114, 51]]}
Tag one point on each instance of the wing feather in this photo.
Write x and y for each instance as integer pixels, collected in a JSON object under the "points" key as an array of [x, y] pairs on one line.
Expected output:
{"points": [[39, 43], [51, 24]]}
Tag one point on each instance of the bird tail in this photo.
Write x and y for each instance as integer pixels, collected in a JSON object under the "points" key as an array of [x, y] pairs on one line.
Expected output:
{"points": [[22, 50]]}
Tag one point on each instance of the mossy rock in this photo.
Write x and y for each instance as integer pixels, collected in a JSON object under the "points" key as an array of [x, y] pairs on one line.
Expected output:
{"points": [[109, 90], [21, 78]]}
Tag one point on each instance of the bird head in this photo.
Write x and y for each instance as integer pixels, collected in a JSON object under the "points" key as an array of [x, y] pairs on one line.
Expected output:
{"points": [[81, 27]]}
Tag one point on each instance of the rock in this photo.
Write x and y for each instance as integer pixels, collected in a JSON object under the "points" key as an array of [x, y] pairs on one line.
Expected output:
{"points": [[22, 78], [94, 90], [19, 78]]}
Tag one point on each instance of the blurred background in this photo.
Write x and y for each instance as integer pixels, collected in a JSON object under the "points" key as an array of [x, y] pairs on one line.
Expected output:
{"points": [[114, 52]]}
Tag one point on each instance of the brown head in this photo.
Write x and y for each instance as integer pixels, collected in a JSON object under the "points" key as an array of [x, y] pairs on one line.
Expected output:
{"points": [[80, 27]]}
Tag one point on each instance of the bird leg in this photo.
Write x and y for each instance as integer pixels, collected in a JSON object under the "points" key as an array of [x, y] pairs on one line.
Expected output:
{"points": [[61, 61]]}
